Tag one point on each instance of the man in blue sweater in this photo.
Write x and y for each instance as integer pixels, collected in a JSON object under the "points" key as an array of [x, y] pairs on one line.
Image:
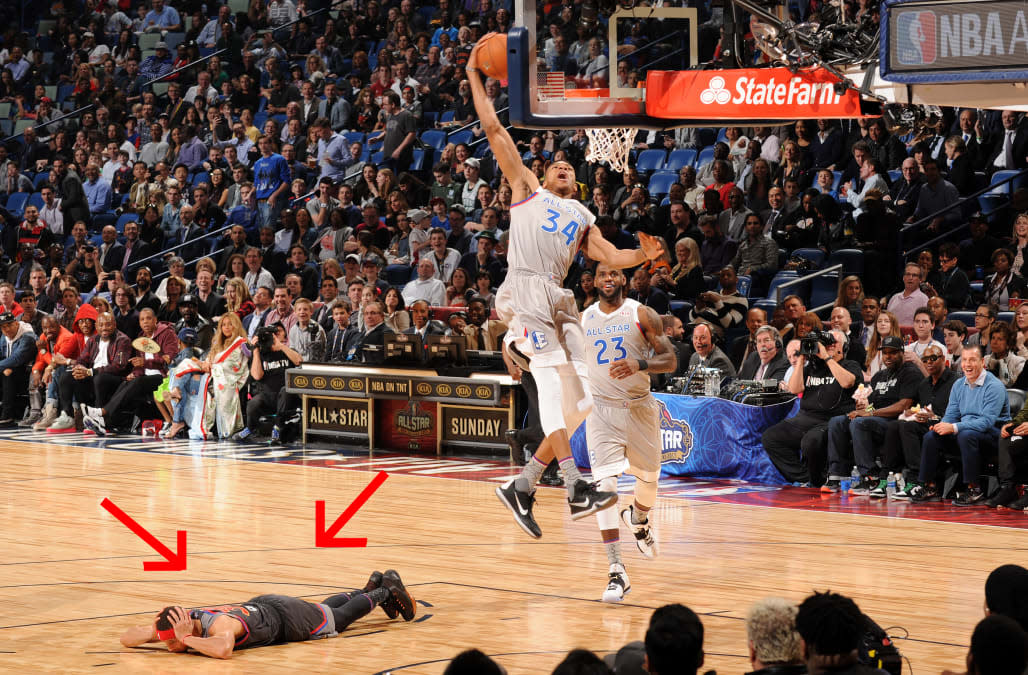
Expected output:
{"points": [[977, 409]]}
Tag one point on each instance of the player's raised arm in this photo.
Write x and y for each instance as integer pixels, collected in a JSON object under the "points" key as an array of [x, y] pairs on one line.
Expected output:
{"points": [[664, 359], [601, 250], [522, 181]]}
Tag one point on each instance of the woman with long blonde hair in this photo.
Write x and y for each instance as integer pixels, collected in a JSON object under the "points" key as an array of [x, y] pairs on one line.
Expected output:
{"points": [[851, 295], [227, 367], [237, 298], [886, 325]]}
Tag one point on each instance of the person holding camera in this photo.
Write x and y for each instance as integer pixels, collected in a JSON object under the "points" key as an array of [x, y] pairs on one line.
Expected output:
{"points": [[826, 381], [893, 390], [268, 367], [306, 336]]}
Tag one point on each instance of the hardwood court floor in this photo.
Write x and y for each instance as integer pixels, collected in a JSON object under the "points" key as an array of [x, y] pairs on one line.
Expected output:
{"points": [[71, 576]]}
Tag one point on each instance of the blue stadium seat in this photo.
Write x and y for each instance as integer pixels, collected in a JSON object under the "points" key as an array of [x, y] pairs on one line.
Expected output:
{"points": [[36, 199], [852, 260], [16, 203], [102, 220], [681, 309], [458, 137], [824, 290], [201, 177], [661, 182], [429, 118], [706, 156], [64, 91], [895, 175], [680, 158], [418, 161], [41, 178], [966, 317], [837, 179], [434, 138], [482, 150], [977, 287], [396, 274], [447, 116], [354, 137], [768, 306], [1005, 317], [376, 158], [722, 135], [996, 198], [125, 218], [649, 161]]}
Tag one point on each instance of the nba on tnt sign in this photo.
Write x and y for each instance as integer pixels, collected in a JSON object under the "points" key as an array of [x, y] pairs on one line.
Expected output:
{"points": [[916, 38]]}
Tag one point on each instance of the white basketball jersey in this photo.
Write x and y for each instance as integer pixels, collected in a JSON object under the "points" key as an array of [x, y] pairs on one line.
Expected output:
{"points": [[546, 232], [613, 337]]}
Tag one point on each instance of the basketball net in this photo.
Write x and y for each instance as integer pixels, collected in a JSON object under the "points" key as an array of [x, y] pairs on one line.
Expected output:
{"points": [[610, 145]]}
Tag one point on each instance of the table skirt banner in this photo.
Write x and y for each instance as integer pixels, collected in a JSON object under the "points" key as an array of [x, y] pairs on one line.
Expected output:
{"points": [[710, 438]]}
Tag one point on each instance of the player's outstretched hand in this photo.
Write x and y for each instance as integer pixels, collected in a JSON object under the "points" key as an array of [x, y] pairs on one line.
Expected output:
{"points": [[650, 245]]}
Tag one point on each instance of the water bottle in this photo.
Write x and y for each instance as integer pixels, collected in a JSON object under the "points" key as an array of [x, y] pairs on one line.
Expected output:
{"points": [[855, 476], [901, 482], [890, 487]]}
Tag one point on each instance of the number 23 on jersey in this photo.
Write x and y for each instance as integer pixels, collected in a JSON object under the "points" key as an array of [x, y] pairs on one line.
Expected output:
{"points": [[615, 345]]}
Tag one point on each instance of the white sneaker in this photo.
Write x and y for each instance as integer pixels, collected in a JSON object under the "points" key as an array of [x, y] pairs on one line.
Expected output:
{"points": [[617, 585], [645, 534], [63, 424], [94, 415]]}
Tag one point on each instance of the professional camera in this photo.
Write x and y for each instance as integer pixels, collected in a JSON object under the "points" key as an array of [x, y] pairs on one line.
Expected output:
{"points": [[810, 341], [266, 338]]}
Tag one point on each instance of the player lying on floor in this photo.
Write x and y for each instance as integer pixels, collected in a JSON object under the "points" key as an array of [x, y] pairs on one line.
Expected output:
{"points": [[271, 619]]}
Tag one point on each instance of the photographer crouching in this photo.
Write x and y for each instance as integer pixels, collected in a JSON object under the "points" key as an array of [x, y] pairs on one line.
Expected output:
{"points": [[272, 358], [825, 380]]}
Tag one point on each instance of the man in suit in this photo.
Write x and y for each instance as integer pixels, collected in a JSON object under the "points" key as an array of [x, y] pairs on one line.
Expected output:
{"points": [[112, 254], [768, 362], [421, 325], [967, 128], [961, 170], [262, 301], [904, 193], [1010, 147], [369, 349], [744, 346], [135, 250], [842, 321], [482, 332]]}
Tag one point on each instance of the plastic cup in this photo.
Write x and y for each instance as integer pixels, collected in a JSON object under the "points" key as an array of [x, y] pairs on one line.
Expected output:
{"points": [[844, 486]]}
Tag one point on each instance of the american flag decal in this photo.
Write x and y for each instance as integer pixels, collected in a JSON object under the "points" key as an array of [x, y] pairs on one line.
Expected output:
{"points": [[551, 85]]}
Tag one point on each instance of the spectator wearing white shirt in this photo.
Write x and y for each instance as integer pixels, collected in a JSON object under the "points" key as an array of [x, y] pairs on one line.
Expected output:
{"points": [[50, 212], [201, 88], [444, 259], [426, 287]]}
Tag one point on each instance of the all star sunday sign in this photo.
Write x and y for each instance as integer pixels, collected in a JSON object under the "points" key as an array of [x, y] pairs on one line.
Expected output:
{"points": [[748, 94]]}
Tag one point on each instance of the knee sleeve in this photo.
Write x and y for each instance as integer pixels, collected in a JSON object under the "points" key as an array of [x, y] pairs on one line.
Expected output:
{"points": [[607, 519], [576, 396], [645, 492]]}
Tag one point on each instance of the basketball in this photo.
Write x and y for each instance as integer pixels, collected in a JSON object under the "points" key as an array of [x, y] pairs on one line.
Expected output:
{"points": [[492, 55]]}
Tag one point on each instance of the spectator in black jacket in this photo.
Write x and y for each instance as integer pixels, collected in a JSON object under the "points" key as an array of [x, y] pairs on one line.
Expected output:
{"points": [[648, 295], [951, 282]]}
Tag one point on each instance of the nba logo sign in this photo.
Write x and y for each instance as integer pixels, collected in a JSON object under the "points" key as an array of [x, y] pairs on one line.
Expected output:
{"points": [[539, 340], [915, 38]]}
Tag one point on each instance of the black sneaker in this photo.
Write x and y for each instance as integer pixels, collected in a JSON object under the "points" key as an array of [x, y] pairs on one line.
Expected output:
{"points": [[586, 500], [374, 581], [400, 598], [971, 497], [517, 451], [1019, 504], [863, 487], [832, 485], [1005, 495], [924, 493], [520, 504], [551, 476]]}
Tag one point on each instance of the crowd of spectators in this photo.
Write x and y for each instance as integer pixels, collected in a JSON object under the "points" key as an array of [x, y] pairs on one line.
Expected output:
{"points": [[321, 177], [826, 633]]}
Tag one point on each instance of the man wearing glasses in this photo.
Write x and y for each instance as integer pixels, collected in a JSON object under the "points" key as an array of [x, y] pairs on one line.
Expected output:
{"points": [[904, 303], [892, 391], [952, 282], [903, 438], [984, 319]]}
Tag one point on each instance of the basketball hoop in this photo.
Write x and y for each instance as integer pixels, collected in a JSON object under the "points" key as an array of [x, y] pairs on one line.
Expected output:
{"points": [[610, 145]]}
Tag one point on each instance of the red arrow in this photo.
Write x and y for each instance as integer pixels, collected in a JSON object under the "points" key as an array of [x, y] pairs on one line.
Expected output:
{"points": [[327, 538], [173, 561]]}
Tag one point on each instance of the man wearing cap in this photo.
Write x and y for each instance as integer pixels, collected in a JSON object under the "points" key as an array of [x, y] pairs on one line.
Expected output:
{"points": [[426, 287], [472, 181], [189, 310], [482, 258], [96, 52], [371, 267], [417, 238], [157, 64], [97, 372], [862, 431], [400, 132], [162, 19], [17, 354], [351, 271]]}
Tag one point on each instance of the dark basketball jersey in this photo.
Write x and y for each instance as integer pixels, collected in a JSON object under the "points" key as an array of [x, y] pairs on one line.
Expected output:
{"points": [[261, 623], [272, 619]]}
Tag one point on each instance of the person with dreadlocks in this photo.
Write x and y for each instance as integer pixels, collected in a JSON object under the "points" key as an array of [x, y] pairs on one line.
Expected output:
{"points": [[831, 626], [271, 619]]}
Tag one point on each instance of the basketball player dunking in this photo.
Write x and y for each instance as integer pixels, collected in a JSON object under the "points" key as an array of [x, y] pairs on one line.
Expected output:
{"points": [[547, 228], [624, 342], [271, 619]]}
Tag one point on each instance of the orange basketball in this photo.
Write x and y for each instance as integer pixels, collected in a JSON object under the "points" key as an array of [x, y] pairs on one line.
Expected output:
{"points": [[492, 55]]}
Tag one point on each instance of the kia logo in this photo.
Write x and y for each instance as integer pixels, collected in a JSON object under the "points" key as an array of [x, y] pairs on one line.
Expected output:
{"points": [[715, 92]]}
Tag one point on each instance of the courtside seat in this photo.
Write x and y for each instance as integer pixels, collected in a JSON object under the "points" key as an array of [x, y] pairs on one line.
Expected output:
{"points": [[966, 317]]}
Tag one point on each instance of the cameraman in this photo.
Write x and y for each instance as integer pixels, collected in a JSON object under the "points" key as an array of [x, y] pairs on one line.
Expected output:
{"points": [[268, 368], [826, 381]]}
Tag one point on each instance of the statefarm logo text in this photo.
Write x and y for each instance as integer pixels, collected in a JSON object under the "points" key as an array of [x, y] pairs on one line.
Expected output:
{"points": [[752, 91]]}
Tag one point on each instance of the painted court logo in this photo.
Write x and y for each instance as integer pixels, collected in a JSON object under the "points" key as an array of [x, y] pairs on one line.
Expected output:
{"points": [[916, 38], [715, 92], [676, 437]]}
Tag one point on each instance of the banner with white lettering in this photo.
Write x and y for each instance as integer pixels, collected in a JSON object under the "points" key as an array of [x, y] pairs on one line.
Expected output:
{"points": [[484, 425], [710, 438]]}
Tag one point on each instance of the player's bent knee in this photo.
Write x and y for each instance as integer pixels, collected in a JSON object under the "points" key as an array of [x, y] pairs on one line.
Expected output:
{"points": [[607, 519], [551, 404]]}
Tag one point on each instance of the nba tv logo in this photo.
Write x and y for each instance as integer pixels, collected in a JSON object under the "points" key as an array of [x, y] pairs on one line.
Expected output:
{"points": [[916, 38]]}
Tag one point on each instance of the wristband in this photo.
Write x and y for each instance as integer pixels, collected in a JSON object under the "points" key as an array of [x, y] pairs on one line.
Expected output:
{"points": [[642, 364]]}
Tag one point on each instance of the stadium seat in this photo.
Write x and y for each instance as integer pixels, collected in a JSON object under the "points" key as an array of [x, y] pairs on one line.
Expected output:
{"points": [[649, 161], [125, 218], [814, 255], [418, 161], [681, 309], [722, 135], [376, 158], [148, 41], [5, 110], [160, 88], [16, 203], [429, 118], [851, 259], [458, 137], [824, 290], [36, 199], [173, 39], [434, 138], [837, 178], [1016, 399], [40, 179], [21, 125], [354, 137], [966, 317], [705, 157], [895, 175], [995, 199], [201, 177], [102, 220], [706, 136], [1005, 317], [977, 288], [447, 116], [64, 91], [661, 182], [769, 306], [396, 274], [680, 158]]}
